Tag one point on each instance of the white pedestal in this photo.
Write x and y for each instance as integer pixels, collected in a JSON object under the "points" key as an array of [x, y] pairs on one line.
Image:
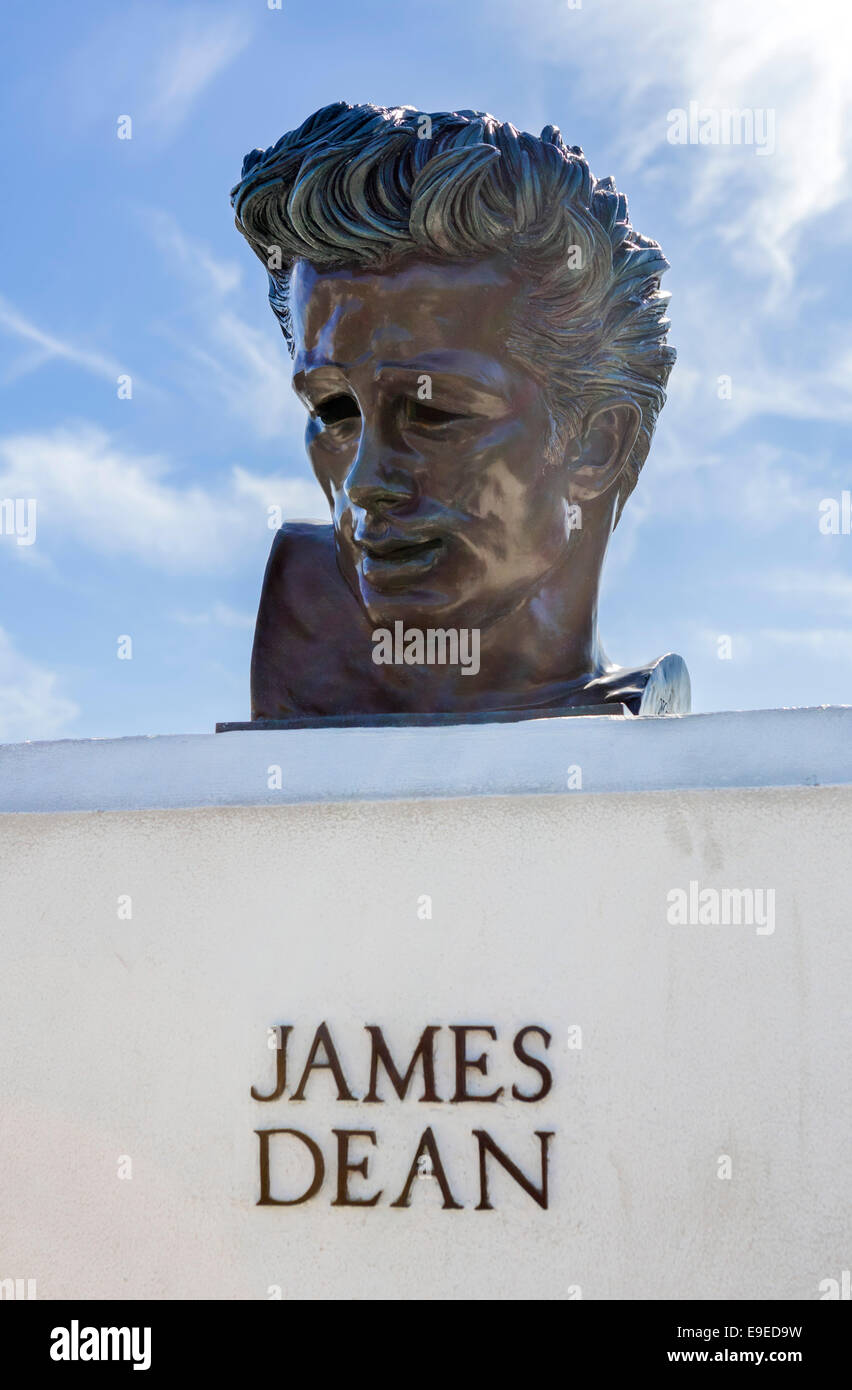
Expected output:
{"points": [[129, 1148]]}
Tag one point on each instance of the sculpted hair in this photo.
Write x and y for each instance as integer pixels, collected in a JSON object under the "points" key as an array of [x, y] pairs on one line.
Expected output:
{"points": [[368, 186]]}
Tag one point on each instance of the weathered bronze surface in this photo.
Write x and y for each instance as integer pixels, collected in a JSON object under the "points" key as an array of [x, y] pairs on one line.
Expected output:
{"points": [[478, 337]]}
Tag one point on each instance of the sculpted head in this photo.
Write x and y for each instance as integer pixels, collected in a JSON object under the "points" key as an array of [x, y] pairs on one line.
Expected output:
{"points": [[478, 335]]}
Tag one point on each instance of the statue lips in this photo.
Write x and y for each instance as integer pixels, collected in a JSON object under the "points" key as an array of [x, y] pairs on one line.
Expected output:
{"points": [[394, 561]]}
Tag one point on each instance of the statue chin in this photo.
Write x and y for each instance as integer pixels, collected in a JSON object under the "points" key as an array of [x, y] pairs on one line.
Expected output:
{"points": [[315, 658]]}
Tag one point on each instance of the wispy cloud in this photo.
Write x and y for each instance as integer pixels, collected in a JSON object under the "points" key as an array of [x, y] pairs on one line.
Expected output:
{"points": [[153, 62], [835, 642], [643, 60], [192, 257], [50, 348], [246, 368], [755, 301], [201, 46], [115, 502], [301, 498], [220, 615], [821, 590], [31, 704], [764, 644], [757, 487]]}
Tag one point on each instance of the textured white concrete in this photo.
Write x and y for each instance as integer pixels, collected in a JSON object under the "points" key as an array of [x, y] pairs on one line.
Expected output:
{"points": [[751, 748], [141, 1038]]}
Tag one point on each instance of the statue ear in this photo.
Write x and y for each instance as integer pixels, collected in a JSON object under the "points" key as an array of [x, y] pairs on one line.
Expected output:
{"points": [[600, 453]]}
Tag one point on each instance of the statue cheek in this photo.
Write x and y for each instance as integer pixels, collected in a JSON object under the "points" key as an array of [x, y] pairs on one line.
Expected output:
{"points": [[329, 469]]}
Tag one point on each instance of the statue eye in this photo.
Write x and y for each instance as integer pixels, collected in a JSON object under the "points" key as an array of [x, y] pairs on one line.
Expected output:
{"points": [[336, 409], [419, 413]]}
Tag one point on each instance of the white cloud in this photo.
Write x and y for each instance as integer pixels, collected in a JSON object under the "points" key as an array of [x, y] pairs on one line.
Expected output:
{"points": [[200, 45], [301, 499], [835, 642], [152, 62], [764, 647], [832, 588], [220, 615], [757, 303], [643, 60], [117, 503], [191, 256], [50, 348], [248, 369], [31, 706], [800, 395], [756, 488]]}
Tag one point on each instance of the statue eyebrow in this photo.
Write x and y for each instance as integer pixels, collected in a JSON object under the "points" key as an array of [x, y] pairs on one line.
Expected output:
{"points": [[480, 373], [442, 368], [308, 370], [332, 375]]}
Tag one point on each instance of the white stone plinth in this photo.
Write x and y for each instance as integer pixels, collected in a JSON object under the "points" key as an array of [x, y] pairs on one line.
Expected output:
{"points": [[705, 1048]]}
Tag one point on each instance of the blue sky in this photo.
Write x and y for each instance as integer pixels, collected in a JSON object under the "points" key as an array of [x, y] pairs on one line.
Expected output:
{"points": [[120, 258]]}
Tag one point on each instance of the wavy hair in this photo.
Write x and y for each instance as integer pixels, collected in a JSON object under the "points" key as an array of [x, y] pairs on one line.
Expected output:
{"points": [[369, 186]]}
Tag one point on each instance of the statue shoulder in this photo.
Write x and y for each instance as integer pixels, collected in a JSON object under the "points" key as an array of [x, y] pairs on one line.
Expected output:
{"points": [[668, 689], [661, 687], [296, 547], [308, 625]]}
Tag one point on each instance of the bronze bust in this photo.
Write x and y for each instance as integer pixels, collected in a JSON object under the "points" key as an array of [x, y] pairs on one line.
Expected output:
{"points": [[479, 339]]}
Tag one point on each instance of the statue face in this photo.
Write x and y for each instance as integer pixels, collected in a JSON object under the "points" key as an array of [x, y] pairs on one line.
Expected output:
{"points": [[428, 439]]}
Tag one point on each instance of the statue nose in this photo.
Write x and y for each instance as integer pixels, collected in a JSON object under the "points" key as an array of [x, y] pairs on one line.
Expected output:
{"points": [[378, 480]]}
